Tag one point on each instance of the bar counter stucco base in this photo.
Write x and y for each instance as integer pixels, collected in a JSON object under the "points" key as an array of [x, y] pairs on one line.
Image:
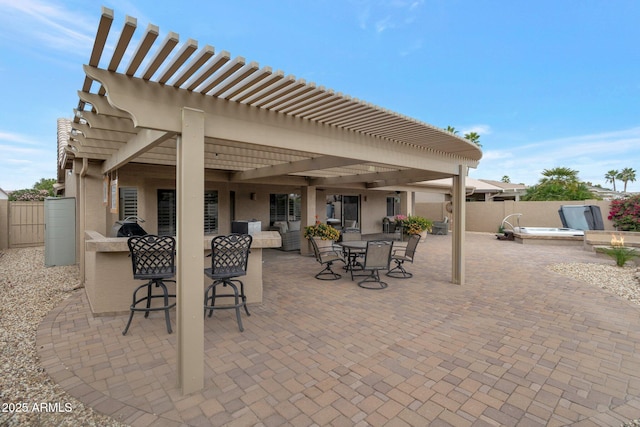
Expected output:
{"points": [[109, 279]]}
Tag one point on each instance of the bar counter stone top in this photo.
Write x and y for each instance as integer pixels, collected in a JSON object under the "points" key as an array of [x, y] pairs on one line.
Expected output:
{"points": [[96, 242]]}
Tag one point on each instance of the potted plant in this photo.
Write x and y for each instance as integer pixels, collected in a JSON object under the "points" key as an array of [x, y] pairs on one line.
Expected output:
{"points": [[414, 224], [323, 231]]}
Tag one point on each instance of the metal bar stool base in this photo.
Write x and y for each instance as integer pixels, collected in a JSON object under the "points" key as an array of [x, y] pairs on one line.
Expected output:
{"points": [[159, 283], [240, 300]]}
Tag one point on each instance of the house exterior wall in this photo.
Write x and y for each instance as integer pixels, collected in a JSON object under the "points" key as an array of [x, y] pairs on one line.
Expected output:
{"points": [[149, 179]]}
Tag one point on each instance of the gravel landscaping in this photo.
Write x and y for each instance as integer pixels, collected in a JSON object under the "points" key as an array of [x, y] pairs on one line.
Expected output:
{"points": [[28, 291]]}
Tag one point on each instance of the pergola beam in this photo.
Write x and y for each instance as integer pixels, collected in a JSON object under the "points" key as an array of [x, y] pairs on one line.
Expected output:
{"points": [[316, 163], [145, 140]]}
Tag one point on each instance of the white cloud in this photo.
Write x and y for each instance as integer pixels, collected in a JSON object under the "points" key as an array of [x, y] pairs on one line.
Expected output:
{"points": [[591, 155], [386, 15], [384, 24], [480, 129], [47, 24], [17, 138], [410, 48], [496, 155]]}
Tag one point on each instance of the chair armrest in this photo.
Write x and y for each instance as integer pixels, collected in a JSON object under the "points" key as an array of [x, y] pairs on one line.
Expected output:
{"points": [[399, 251]]}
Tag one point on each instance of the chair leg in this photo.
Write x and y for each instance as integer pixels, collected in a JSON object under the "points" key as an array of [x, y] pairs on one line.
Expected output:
{"points": [[398, 271], [212, 298], [374, 277], [239, 299], [126, 329], [243, 296], [149, 293], [167, 319], [147, 302], [327, 273]]}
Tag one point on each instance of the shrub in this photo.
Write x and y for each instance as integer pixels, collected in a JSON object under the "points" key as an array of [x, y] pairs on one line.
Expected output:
{"points": [[413, 224], [620, 254], [625, 213], [321, 230], [29, 195]]}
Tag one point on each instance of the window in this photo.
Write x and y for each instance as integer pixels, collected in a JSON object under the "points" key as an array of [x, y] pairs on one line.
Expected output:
{"points": [[210, 212], [343, 210], [128, 203], [350, 209], [167, 212], [284, 207], [393, 205]]}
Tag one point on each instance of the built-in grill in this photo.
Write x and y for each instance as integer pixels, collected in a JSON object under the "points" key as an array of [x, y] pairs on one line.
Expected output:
{"points": [[128, 227]]}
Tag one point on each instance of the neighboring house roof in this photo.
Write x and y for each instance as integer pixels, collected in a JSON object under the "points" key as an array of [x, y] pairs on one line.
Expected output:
{"points": [[259, 124], [506, 185], [3, 194], [607, 193], [445, 184]]}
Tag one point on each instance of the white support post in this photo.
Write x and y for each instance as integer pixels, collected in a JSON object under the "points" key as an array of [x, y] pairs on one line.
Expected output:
{"points": [[406, 205], [308, 215], [457, 241], [190, 265]]}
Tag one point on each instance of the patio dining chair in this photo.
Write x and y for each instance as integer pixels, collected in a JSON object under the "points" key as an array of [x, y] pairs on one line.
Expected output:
{"points": [[402, 255], [377, 257], [229, 259], [326, 256], [153, 260]]}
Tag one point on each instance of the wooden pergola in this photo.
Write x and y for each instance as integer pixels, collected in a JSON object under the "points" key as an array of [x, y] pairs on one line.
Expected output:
{"points": [[205, 112]]}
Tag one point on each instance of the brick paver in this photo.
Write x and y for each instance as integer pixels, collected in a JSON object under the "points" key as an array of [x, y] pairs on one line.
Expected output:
{"points": [[517, 345]]}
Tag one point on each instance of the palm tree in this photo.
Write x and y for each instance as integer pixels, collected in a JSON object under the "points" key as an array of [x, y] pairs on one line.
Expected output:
{"points": [[611, 177], [626, 175], [506, 179], [560, 174], [560, 183], [473, 137], [452, 130]]}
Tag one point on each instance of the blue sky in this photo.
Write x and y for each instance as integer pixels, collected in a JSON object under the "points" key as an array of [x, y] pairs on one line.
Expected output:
{"points": [[545, 84]]}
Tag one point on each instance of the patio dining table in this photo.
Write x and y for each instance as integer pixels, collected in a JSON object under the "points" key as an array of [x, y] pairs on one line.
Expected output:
{"points": [[352, 249]]}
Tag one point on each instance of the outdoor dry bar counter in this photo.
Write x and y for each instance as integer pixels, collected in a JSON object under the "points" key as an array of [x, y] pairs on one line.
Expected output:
{"points": [[109, 279]]}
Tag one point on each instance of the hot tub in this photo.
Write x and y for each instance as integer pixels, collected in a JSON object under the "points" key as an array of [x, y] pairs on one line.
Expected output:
{"points": [[548, 231]]}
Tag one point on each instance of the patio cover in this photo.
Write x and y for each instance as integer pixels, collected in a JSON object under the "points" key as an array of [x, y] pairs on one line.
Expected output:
{"points": [[199, 109]]}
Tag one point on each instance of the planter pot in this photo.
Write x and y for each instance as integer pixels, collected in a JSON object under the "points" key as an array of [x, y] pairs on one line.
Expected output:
{"points": [[322, 244]]}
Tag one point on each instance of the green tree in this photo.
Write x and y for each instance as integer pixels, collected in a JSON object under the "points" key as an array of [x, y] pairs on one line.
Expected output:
{"points": [[559, 183], [611, 177], [627, 175], [506, 179], [45, 184], [473, 137]]}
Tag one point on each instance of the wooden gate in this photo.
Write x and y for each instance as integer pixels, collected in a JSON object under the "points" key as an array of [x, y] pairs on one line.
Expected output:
{"points": [[26, 224]]}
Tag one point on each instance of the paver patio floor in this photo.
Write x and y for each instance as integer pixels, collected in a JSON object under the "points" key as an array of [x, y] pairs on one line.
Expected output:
{"points": [[518, 345]]}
